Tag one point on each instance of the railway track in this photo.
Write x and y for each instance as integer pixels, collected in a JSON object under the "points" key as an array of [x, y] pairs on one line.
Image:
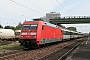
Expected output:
{"points": [[5, 55], [37, 54], [62, 53], [5, 42]]}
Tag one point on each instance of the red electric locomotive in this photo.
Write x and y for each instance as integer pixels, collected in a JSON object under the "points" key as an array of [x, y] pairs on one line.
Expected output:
{"points": [[35, 33]]}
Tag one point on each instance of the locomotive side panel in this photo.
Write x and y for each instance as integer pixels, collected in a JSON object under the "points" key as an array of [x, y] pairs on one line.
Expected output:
{"points": [[50, 34]]}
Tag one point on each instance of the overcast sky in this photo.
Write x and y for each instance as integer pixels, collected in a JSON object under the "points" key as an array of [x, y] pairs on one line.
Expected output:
{"points": [[14, 11]]}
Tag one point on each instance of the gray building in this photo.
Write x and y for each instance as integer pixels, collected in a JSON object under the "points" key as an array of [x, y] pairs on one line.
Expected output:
{"points": [[51, 15]]}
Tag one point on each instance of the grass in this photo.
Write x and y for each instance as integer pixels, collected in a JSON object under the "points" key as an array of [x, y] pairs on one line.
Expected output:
{"points": [[14, 45], [0, 40]]}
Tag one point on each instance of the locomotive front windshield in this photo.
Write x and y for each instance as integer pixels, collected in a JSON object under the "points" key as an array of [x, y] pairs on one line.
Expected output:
{"points": [[30, 27]]}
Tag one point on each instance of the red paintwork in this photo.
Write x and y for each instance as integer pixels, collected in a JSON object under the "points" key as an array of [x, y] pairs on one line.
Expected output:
{"points": [[51, 32], [47, 32]]}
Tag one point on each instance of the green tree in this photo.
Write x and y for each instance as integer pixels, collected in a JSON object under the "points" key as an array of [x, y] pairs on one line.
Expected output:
{"points": [[72, 28], [19, 26], [1, 26], [9, 27]]}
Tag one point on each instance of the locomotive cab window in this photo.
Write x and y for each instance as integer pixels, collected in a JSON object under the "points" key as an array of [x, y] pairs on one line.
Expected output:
{"points": [[30, 27], [26, 27], [33, 27]]}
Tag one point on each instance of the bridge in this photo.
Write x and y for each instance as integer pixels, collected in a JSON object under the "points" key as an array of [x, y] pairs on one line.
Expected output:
{"points": [[71, 20]]}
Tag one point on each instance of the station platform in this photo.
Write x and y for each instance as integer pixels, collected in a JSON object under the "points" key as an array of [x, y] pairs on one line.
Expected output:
{"points": [[82, 52]]}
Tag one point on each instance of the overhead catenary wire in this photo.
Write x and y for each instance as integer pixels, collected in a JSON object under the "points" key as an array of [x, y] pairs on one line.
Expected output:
{"points": [[37, 5], [63, 7], [8, 13], [26, 7], [66, 5], [6, 19]]}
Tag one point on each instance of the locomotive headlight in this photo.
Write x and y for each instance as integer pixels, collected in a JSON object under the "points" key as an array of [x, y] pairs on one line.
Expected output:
{"points": [[23, 33], [33, 33], [34, 36], [22, 36]]}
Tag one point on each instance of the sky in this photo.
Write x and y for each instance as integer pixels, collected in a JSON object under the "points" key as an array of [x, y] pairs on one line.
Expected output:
{"points": [[14, 11]]}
